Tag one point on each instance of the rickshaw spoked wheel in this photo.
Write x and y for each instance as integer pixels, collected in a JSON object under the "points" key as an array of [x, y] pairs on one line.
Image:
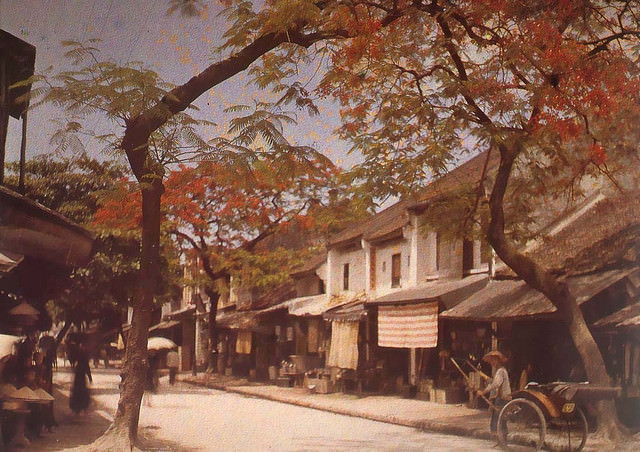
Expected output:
{"points": [[568, 432], [521, 426]]}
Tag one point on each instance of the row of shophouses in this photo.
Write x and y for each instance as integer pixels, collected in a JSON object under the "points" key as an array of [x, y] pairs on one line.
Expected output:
{"points": [[389, 302]]}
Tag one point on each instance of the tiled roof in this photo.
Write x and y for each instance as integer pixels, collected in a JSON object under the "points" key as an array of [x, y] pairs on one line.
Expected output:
{"points": [[388, 221], [467, 174], [311, 263], [392, 217], [600, 237]]}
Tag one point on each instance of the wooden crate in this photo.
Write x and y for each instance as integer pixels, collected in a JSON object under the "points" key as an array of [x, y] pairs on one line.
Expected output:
{"points": [[284, 381], [448, 395], [319, 385]]}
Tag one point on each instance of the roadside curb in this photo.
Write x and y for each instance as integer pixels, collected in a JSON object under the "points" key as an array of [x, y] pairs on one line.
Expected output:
{"points": [[423, 425]]}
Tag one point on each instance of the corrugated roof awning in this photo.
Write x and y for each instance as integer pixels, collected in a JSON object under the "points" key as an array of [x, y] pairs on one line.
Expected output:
{"points": [[352, 312], [449, 293], [165, 325], [310, 306], [183, 313], [512, 299], [247, 320], [276, 307], [625, 317], [237, 319]]}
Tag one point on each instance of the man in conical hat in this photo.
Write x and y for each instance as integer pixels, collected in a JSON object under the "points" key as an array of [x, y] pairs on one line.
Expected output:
{"points": [[499, 388]]}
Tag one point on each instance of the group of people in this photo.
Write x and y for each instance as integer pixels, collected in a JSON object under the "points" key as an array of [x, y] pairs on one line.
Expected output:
{"points": [[32, 365]]}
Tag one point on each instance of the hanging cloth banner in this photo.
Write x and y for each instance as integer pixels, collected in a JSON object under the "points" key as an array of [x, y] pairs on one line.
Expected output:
{"points": [[243, 342], [343, 351], [408, 326], [313, 335]]}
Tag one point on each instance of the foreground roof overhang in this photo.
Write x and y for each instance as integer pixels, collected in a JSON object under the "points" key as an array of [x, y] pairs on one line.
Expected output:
{"points": [[31, 230]]}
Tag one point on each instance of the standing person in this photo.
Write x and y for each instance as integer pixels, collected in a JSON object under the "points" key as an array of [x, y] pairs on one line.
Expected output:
{"points": [[48, 347], [172, 364], [151, 384], [499, 388], [79, 400]]}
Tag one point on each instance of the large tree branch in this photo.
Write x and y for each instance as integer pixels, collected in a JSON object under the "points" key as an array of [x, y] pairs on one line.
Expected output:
{"points": [[201, 250], [460, 68], [602, 43], [140, 128]]}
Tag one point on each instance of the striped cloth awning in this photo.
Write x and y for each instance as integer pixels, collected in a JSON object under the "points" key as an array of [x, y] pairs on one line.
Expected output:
{"points": [[408, 326]]}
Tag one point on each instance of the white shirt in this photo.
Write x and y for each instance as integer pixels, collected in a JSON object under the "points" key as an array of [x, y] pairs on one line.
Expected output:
{"points": [[500, 386], [172, 359]]}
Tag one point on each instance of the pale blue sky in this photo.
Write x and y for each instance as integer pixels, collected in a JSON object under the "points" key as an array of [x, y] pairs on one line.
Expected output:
{"points": [[140, 30]]}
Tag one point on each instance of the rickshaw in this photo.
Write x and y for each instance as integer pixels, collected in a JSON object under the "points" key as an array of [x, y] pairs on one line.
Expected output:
{"points": [[545, 414], [549, 415]]}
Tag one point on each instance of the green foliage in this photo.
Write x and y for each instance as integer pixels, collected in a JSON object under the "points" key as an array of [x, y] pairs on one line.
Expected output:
{"points": [[71, 186], [254, 209], [77, 188], [98, 88]]}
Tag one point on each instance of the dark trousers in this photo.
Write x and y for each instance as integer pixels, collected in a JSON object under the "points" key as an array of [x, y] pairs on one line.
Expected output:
{"points": [[498, 402], [172, 375]]}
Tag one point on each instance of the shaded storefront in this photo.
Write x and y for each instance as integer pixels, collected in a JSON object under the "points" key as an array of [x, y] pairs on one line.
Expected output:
{"points": [[250, 342], [522, 323], [620, 334], [409, 333]]}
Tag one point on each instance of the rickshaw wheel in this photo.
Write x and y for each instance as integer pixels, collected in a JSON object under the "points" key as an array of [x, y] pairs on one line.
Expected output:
{"points": [[568, 433], [521, 426]]}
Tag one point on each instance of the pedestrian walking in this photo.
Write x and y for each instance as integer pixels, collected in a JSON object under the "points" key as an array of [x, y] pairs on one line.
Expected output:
{"points": [[80, 399], [151, 383], [499, 388], [172, 364]]}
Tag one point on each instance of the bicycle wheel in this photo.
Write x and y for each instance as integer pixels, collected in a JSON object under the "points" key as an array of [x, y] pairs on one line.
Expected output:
{"points": [[521, 426], [568, 432]]}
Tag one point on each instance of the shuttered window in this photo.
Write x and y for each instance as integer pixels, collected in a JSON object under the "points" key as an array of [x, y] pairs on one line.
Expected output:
{"points": [[345, 277], [396, 265]]}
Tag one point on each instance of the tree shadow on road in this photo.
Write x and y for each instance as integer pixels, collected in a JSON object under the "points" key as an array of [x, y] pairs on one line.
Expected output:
{"points": [[147, 441], [77, 431]]}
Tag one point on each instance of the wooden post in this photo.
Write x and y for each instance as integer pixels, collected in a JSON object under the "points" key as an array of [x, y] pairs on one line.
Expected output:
{"points": [[4, 114], [494, 335], [412, 367], [23, 152]]}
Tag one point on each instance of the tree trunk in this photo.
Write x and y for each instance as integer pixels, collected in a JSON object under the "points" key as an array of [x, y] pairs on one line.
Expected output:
{"points": [[557, 291], [122, 433], [63, 331], [214, 296]]}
